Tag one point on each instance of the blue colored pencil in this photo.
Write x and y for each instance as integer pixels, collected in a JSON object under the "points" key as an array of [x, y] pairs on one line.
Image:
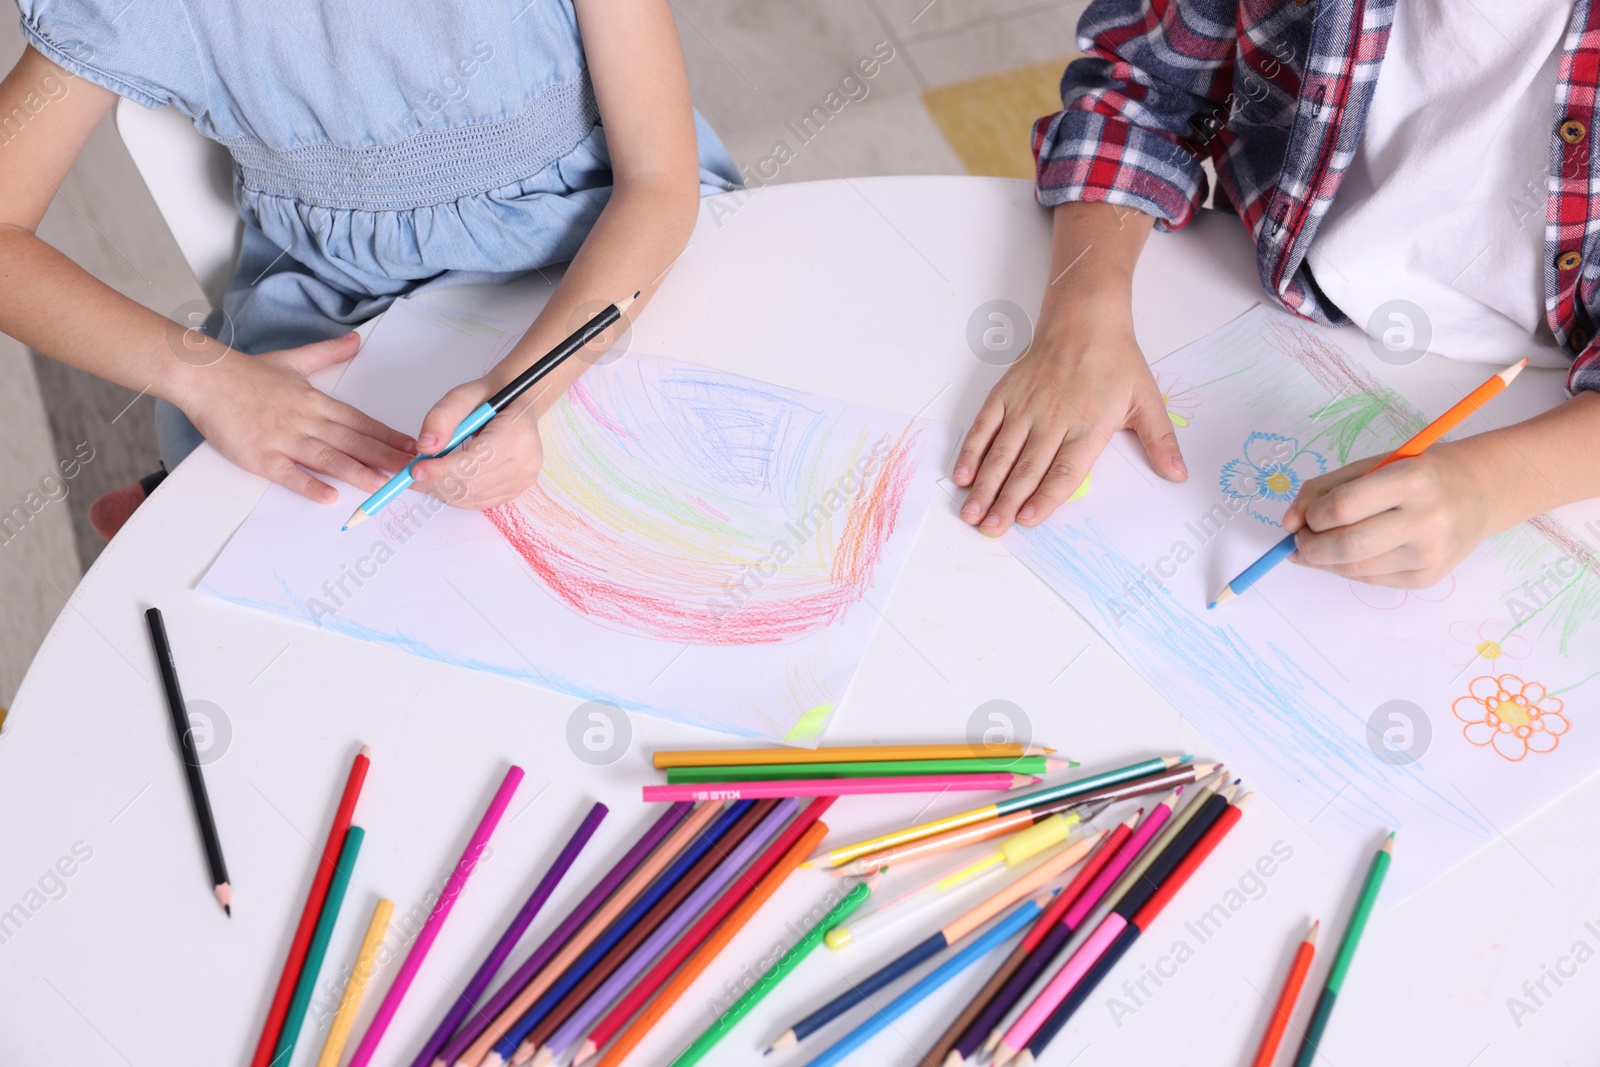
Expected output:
{"points": [[508, 1043], [1014, 923]]}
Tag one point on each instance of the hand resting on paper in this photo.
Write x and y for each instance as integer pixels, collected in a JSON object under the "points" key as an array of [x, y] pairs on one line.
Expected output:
{"points": [[1053, 412], [262, 413]]}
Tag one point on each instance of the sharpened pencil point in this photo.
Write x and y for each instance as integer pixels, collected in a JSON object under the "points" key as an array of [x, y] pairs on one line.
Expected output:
{"points": [[787, 1040], [1311, 934], [356, 518], [544, 1057], [1002, 1056], [955, 1059], [586, 1053], [224, 894], [1223, 597]]}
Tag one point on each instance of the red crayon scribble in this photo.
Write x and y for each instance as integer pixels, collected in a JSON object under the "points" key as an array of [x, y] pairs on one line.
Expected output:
{"points": [[676, 588]]}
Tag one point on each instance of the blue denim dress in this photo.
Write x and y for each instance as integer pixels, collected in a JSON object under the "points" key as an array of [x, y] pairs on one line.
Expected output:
{"points": [[378, 147]]}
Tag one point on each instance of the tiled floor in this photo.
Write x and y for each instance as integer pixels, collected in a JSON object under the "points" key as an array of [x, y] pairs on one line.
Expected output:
{"points": [[765, 74]]}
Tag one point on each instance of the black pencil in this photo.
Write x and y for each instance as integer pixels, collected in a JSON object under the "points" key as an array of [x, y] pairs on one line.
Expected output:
{"points": [[191, 761]]}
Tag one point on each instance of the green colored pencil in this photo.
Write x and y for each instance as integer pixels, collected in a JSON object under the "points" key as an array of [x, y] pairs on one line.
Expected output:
{"points": [[1347, 951], [780, 772], [307, 983], [780, 970]]}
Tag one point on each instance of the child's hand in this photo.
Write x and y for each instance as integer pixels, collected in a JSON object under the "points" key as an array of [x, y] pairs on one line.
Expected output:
{"points": [[492, 466], [1048, 419], [261, 413], [1404, 526]]}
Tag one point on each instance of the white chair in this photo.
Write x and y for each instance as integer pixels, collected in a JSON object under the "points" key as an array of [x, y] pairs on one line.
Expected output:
{"points": [[191, 178]]}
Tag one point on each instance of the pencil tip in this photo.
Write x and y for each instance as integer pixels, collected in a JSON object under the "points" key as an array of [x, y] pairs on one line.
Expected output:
{"points": [[366, 750], [787, 1039], [227, 909], [357, 517], [1311, 934]]}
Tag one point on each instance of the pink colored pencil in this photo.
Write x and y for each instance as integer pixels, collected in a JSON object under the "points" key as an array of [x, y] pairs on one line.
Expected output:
{"points": [[836, 787], [435, 922]]}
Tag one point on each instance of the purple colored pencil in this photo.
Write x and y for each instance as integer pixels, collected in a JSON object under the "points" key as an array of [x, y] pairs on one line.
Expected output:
{"points": [[671, 928], [480, 1019], [513, 933]]}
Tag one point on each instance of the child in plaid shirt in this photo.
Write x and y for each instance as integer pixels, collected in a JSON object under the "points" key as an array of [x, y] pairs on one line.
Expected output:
{"points": [[1391, 165]]}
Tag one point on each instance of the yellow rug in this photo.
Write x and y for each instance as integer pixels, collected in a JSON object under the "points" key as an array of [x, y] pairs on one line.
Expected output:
{"points": [[987, 120]]}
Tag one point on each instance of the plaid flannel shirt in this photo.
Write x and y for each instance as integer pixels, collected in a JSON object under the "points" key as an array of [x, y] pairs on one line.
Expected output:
{"points": [[1275, 94]]}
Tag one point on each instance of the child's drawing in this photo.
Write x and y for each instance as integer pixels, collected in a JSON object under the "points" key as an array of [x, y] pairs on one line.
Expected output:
{"points": [[1487, 642], [699, 545], [1514, 716], [1386, 598], [1181, 398], [1287, 679], [1269, 475]]}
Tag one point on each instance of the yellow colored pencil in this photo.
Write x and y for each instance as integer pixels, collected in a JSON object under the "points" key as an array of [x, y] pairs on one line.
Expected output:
{"points": [[350, 1002], [724, 757]]}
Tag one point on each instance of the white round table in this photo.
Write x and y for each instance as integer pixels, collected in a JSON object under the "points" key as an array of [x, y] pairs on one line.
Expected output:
{"points": [[113, 952]]}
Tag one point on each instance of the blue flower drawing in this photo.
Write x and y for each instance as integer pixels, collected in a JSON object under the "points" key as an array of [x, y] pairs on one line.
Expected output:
{"points": [[1269, 474]]}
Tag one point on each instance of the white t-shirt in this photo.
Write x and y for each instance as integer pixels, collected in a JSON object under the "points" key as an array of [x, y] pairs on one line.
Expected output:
{"points": [[1443, 206]]}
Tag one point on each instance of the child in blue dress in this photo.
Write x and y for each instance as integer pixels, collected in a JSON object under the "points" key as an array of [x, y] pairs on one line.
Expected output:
{"points": [[378, 148]]}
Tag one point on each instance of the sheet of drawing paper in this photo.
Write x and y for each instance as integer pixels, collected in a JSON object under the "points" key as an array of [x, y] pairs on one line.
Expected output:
{"points": [[1446, 713], [699, 545]]}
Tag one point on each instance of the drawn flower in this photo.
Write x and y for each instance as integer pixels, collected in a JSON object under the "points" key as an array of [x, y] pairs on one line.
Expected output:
{"points": [[1386, 598], [1270, 474], [1487, 641], [1180, 398], [1514, 716]]}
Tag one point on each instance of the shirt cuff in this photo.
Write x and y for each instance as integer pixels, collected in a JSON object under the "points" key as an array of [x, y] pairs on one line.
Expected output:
{"points": [[1083, 155]]}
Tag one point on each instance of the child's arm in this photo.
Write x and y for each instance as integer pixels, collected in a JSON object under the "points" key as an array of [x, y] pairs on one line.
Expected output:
{"points": [[636, 65], [259, 411], [1410, 523], [1083, 378]]}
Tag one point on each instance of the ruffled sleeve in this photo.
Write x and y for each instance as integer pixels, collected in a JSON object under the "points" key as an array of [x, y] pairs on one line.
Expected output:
{"points": [[141, 49]]}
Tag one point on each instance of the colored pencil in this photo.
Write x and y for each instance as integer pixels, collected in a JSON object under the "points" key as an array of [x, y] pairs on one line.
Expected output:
{"points": [[1063, 940], [997, 935], [1141, 922], [639, 922], [837, 787], [1096, 901], [616, 904], [647, 949], [721, 757], [785, 966], [1346, 953], [198, 797], [306, 987], [956, 930], [754, 885], [1078, 787], [495, 405], [453, 886], [350, 999], [268, 1042], [962, 836], [1100, 930], [1427, 436], [520, 922], [776, 772], [971, 1017], [481, 1018], [1016, 849], [1284, 1008]]}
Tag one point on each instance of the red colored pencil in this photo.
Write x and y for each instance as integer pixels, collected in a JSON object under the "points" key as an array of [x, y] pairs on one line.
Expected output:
{"points": [[1285, 1005], [308, 917], [657, 976]]}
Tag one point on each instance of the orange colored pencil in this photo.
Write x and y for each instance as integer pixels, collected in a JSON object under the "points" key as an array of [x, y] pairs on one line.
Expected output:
{"points": [[614, 906], [1282, 1010], [696, 964]]}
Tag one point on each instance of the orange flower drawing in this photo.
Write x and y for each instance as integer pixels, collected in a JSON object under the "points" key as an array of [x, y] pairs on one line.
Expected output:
{"points": [[1514, 716], [1180, 398]]}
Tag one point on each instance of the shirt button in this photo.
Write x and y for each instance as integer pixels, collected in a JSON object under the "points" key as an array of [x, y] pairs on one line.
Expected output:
{"points": [[1568, 261], [1572, 131], [1577, 340]]}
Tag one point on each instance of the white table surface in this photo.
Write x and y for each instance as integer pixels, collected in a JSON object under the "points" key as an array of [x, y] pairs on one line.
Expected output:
{"points": [[856, 289]]}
